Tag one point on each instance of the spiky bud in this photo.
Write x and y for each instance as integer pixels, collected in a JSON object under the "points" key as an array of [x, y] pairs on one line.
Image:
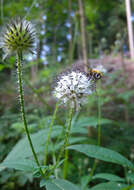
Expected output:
{"points": [[19, 36]]}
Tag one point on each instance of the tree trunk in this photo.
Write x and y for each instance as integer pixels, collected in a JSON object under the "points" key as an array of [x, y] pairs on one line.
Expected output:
{"points": [[83, 35], [130, 28], [70, 32]]}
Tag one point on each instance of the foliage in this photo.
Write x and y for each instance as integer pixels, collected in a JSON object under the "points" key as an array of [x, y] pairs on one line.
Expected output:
{"points": [[108, 165]]}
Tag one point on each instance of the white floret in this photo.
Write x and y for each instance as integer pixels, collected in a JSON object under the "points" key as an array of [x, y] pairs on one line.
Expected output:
{"points": [[74, 88]]}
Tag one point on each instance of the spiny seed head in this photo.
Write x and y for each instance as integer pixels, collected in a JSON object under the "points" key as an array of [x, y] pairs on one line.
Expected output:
{"points": [[73, 87], [19, 35]]}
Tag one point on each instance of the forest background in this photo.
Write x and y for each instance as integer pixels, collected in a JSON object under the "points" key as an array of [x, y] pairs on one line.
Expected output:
{"points": [[69, 32]]}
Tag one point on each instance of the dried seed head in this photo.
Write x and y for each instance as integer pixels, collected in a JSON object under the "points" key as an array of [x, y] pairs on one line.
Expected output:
{"points": [[73, 87], [19, 35]]}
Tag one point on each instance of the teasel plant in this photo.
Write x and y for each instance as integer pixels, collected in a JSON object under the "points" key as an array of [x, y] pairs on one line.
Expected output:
{"points": [[72, 89], [19, 37]]}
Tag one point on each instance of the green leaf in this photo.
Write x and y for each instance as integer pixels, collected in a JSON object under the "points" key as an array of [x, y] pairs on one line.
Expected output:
{"points": [[109, 186], [130, 177], [79, 125], [74, 119], [60, 163], [91, 121], [22, 164], [22, 149], [104, 154], [60, 184], [108, 176], [42, 182], [84, 181], [72, 140], [80, 130]]}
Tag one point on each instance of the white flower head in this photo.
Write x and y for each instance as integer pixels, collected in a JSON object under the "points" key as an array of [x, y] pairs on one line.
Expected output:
{"points": [[100, 69], [19, 35], [73, 87]]}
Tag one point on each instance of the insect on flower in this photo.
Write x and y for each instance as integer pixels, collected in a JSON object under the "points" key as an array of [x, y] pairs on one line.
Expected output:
{"points": [[97, 73], [94, 73]]}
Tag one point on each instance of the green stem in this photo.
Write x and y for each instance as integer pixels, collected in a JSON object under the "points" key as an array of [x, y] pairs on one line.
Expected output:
{"points": [[19, 71], [99, 115], [127, 180], [61, 151], [62, 148], [99, 128], [54, 160], [67, 134], [49, 132], [99, 131]]}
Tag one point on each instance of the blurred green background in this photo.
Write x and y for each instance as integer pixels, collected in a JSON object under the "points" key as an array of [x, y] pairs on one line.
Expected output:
{"points": [[59, 45]]}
